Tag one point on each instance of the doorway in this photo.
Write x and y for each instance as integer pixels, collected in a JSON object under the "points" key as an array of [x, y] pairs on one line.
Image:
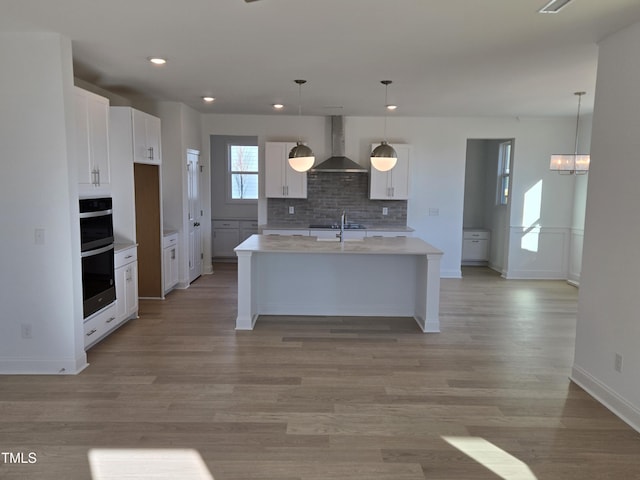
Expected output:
{"points": [[194, 172], [488, 174]]}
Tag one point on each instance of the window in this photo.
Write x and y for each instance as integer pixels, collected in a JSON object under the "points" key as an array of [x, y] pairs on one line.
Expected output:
{"points": [[243, 172], [504, 160]]}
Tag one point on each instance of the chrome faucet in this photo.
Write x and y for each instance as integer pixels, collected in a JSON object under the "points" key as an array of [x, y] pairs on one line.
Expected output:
{"points": [[343, 220]]}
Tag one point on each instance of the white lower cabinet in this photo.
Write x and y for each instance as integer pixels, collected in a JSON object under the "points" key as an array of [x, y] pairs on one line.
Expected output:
{"points": [[228, 234], [475, 246], [247, 228], [389, 233], [99, 325], [126, 270], [290, 232], [104, 322], [170, 257]]}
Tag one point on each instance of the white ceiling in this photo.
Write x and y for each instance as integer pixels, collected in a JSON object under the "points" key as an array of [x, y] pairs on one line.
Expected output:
{"points": [[445, 57]]}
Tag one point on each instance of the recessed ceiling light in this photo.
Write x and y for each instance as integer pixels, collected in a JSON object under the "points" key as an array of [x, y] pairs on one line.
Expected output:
{"points": [[157, 60], [391, 107], [554, 6], [208, 99], [278, 106]]}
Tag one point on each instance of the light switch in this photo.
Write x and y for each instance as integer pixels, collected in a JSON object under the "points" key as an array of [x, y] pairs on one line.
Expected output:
{"points": [[385, 211], [292, 210], [434, 212]]}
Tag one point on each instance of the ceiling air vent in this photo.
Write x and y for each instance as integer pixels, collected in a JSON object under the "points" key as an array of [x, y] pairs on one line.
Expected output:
{"points": [[554, 6]]}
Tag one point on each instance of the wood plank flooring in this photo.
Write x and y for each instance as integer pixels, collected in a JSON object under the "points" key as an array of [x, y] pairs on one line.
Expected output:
{"points": [[311, 398]]}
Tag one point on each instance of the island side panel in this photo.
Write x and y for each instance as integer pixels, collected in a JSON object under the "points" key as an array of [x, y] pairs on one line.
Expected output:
{"points": [[335, 284], [246, 291], [430, 267]]}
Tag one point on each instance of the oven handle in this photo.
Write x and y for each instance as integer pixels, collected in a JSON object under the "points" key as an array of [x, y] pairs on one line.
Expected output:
{"points": [[99, 213], [97, 251]]}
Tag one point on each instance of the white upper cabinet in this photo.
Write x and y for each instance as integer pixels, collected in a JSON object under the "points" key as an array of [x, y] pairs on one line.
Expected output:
{"points": [[394, 184], [282, 181], [92, 142], [146, 138]]}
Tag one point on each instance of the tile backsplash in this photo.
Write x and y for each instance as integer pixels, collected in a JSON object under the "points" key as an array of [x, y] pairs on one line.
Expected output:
{"points": [[328, 193]]}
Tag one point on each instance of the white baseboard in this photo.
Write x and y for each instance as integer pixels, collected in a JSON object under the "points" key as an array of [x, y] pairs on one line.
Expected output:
{"points": [[37, 366], [451, 273], [627, 412]]}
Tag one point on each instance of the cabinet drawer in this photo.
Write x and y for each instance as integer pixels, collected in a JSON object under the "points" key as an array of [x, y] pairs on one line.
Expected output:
{"points": [[123, 257], [169, 240], [475, 235], [387, 233], [100, 324], [295, 233], [220, 224], [249, 224]]}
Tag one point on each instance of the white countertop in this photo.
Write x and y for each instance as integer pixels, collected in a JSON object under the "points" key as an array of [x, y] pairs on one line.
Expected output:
{"points": [[119, 247], [371, 245]]}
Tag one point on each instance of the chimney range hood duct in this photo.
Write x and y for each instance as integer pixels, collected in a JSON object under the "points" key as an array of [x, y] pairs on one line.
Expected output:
{"points": [[338, 162]]}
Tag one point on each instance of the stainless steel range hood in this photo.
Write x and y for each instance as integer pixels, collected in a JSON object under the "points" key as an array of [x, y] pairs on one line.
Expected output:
{"points": [[338, 162]]}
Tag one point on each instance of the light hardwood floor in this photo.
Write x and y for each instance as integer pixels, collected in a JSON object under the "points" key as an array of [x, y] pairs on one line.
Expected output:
{"points": [[331, 398]]}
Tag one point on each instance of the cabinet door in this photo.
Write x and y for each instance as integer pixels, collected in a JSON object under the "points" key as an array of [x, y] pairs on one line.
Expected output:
{"points": [[399, 175], [99, 138], [224, 241], [92, 139], [83, 158], [146, 138], [121, 295], [394, 184], [131, 289], [153, 128], [282, 181], [476, 250], [274, 152]]}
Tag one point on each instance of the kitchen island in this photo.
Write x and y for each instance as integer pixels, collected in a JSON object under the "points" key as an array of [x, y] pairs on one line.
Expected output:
{"points": [[291, 275]]}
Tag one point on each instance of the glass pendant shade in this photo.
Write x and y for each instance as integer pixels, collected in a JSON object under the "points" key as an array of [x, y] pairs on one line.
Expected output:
{"points": [[570, 163], [384, 157], [301, 158]]}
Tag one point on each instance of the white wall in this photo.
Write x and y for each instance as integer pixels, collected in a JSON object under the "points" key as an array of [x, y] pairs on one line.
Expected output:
{"points": [[437, 172], [609, 303], [475, 184], [181, 132], [40, 285]]}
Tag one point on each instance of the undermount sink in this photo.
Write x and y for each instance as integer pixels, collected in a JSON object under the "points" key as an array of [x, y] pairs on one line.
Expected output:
{"points": [[336, 226], [323, 239]]}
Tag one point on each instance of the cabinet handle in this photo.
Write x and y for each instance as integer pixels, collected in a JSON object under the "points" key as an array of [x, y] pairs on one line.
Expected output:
{"points": [[111, 319], [150, 153], [91, 332], [173, 254], [98, 172], [475, 241], [128, 256]]}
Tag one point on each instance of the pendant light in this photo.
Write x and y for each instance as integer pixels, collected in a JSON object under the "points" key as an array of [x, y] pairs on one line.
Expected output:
{"points": [[571, 163], [384, 156], [301, 157]]}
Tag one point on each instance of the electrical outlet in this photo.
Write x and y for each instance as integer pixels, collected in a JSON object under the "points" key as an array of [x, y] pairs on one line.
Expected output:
{"points": [[618, 363], [292, 210], [385, 211], [434, 212], [27, 330]]}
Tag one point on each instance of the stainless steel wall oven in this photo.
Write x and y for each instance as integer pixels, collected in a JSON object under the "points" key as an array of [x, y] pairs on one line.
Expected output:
{"points": [[96, 245]]}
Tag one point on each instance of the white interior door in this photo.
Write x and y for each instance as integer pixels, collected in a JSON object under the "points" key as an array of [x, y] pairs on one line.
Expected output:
{"points": [[195, 215]]}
